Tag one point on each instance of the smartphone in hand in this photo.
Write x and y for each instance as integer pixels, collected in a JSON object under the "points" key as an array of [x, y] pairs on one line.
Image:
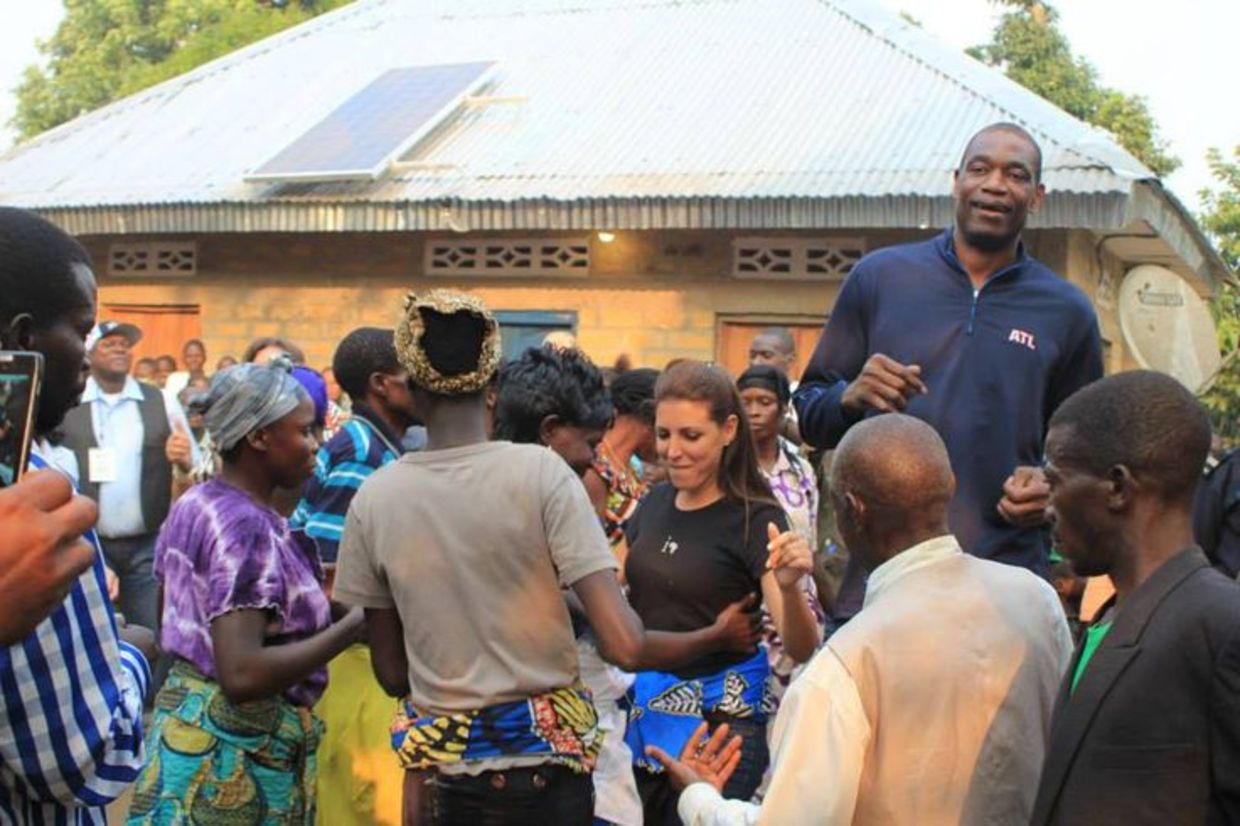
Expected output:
{"points": [[20, 376]]}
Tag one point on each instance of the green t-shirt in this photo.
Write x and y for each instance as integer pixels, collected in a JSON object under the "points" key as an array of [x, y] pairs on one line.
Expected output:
{"points": [[1093, 638]]}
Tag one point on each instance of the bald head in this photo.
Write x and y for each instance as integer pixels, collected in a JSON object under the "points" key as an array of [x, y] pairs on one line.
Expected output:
{"points": [[893, 461], [894, 471], [774, 346]]}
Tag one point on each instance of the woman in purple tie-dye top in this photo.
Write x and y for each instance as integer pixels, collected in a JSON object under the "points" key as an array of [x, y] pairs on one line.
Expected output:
{"points": [[246, 620]]}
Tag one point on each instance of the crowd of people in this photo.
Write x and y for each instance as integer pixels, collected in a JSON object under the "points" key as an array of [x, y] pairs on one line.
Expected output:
{"points": [[429, 584]]}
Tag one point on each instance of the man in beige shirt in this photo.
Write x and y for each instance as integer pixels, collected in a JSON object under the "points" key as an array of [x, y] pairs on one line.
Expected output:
{"points": [[932, 706]]}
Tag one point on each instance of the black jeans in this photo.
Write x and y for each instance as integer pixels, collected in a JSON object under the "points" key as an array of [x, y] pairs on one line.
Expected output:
{"points": [[132, 559], [659, 799], [537, 796]]}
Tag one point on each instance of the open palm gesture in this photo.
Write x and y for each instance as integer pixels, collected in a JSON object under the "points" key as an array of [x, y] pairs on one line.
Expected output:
{"points": [[712, 761]]}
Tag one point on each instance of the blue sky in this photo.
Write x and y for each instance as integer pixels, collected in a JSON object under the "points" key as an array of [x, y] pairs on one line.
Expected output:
{"points": [[1178, 61]]}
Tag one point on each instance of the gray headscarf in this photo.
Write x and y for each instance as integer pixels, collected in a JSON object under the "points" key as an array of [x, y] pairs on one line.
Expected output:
{"points": [[246, 397]]}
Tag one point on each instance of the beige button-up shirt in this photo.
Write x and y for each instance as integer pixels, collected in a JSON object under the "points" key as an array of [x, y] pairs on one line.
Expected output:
{"points": [[932, 706]]}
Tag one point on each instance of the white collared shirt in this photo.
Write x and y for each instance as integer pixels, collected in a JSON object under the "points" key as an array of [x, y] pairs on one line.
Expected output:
{"points": [[833, 763], [885, 576], [117, 421]]}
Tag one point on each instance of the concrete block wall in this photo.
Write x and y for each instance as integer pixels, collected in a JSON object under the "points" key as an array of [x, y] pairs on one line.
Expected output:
{"points": [[654, 296], [639, 299], [1098, 273]]}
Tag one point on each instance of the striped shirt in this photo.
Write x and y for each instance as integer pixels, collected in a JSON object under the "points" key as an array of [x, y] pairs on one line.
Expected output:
{"points": [[71, 709], [361, 446]]}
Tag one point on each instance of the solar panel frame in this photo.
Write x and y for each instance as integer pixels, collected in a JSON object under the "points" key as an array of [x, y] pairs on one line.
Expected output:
{"points": [[366, 125]]}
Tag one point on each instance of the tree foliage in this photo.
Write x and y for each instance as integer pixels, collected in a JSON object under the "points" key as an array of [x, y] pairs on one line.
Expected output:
{"points": [[1029, 47], [1221, 219], [106, 49]]}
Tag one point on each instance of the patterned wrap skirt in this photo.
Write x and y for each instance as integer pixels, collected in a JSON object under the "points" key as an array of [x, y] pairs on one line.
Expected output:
{"points": [[211, 761], [560, 726], [665, 710]]}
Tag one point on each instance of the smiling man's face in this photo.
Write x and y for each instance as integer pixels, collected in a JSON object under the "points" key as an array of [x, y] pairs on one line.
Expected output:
{"points": [[996, 188]]}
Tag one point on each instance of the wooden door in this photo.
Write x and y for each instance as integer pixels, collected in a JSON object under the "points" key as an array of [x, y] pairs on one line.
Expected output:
{"points": [[735, 334], [165, 327]]}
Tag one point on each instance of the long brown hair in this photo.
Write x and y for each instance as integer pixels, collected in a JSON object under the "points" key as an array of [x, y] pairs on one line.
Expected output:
{"points": [[740, 476]]}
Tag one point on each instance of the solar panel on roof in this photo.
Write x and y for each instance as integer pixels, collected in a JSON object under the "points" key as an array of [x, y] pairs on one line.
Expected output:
{"points": [[361, 137]]}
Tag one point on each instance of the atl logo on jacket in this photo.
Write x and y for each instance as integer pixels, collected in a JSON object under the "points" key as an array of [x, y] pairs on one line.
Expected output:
{"points": [[1022, 337], [670, 546]]}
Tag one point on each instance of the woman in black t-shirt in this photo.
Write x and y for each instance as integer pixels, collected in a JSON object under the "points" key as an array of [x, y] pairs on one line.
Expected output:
{"points": [[710, 536]]}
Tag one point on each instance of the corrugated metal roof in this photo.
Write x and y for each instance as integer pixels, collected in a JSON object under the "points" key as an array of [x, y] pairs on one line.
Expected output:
{"points": [[625, 114], [622, 99], [639, 114]]}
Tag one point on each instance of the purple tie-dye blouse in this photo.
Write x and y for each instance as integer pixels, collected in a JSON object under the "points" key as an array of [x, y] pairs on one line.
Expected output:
{"points": [[220, 551]]}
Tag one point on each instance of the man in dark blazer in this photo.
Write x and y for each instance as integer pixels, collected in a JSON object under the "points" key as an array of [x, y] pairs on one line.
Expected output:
{"points": [[1146, 728]]}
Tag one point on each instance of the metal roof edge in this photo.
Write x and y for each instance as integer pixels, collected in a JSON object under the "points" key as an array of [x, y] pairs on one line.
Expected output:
{"points": [[1157, 206], [1063, 210]]}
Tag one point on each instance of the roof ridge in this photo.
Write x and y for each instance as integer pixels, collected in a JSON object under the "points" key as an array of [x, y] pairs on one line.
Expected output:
{"points": [[584, 6], [864, 18]]}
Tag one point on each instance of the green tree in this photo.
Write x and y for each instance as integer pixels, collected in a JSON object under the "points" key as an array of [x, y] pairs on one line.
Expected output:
{"points": [[1029, 47], [1221, 219], [106, 49]]}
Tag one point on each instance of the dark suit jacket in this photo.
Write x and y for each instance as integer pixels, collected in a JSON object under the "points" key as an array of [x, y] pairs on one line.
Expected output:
{"points": [[1216, 514], [1152, 732]]}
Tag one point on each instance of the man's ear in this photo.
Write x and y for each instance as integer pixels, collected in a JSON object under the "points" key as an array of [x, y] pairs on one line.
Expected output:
{"points": [[1039, 195], [18, 334], [1122, 488], [547, 428], [855, 510], [376, 385]]}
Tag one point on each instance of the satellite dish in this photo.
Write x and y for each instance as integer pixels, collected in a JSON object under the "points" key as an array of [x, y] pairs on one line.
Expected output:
{"points": [[1168, 327]]}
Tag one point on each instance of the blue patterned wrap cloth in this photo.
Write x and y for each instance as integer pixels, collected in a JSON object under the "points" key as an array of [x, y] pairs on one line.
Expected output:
{"points": [[665, 710]]}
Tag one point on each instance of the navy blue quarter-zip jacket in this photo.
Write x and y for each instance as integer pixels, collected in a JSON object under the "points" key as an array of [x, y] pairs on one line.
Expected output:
{"points": [[997, 362]]}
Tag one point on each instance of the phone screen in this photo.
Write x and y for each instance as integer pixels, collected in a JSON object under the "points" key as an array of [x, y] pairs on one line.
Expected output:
{"points": [[19, 388]]}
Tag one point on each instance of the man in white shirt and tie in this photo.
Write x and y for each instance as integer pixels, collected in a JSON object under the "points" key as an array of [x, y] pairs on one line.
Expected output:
{"points": [[932, 706]]}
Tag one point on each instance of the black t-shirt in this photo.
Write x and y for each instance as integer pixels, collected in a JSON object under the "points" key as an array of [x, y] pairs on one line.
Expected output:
{"points": [[684, 567]]}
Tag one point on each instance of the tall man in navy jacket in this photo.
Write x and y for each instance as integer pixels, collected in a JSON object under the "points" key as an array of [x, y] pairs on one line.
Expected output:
{"points": [[970, 334]]}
